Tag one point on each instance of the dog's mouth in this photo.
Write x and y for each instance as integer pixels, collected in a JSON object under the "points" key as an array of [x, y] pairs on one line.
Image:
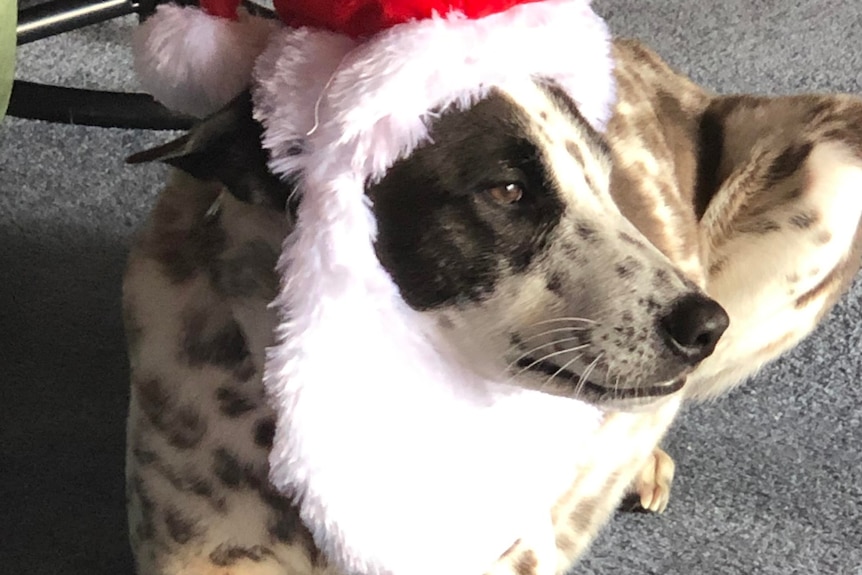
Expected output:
{"points": [[595, 391]]}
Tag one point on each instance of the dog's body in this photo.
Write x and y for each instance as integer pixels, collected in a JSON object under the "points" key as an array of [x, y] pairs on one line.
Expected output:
{"points": [[756, 202]]}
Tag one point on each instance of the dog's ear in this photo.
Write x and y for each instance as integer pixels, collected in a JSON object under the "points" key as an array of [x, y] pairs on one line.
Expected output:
{"points": [[225, 147]]}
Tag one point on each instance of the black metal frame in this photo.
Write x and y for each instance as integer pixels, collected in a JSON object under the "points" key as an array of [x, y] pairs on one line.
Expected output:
{"points": [[78, 106]]}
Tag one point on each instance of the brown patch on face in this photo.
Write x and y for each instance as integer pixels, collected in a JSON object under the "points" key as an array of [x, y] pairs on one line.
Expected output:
{"points": [[526, 563]]}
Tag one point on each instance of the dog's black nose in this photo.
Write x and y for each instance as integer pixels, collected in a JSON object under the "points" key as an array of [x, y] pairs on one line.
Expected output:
{"points": [[694, 325]]}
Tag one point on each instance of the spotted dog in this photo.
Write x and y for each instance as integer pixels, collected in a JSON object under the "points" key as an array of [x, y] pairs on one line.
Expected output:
{"points": [[697, 239]]}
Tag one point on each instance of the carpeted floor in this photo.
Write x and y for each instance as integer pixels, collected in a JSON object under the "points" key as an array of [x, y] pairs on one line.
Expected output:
{"points": [[769, 478]]}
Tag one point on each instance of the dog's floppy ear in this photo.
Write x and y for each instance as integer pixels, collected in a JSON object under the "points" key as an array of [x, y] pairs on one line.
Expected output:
{"points": [[225, 147]]}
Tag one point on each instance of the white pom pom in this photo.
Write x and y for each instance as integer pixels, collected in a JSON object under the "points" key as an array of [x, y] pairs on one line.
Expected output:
{"points": [[195, 63]]}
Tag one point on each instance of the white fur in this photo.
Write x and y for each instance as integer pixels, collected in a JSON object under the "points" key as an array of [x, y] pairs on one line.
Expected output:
{"points": [[393, 446], [195, 63]]}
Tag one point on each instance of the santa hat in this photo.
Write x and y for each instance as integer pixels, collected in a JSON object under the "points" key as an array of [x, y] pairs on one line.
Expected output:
{"points": [[398, 452]]}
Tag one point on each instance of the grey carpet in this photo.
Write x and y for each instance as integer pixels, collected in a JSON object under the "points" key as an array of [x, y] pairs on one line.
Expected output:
{"points": [[769, 478]]}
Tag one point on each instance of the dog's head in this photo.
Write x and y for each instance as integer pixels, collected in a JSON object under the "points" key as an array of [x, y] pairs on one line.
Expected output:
{"points": [[502, 228]]}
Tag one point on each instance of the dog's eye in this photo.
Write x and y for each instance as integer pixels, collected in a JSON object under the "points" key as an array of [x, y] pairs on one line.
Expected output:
{"points": [[506, 194]]}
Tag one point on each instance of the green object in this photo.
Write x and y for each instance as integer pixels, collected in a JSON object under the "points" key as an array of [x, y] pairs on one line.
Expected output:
{"points": [[8, 23]]}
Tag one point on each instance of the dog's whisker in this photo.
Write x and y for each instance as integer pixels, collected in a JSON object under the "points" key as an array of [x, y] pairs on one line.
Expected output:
{"points": [[547, 357], [571, 319], [544, 345], [561, 370], [582, 381], [550, 331]]}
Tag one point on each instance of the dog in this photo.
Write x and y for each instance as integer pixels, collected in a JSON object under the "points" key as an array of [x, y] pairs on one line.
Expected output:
{"points": [[667, 259]]}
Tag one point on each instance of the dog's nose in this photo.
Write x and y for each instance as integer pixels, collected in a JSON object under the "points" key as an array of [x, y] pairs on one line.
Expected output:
{"points": [[694, 325]]}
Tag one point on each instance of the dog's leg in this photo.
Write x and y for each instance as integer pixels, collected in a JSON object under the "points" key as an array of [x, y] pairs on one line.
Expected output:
{"points": [[780, 224]]}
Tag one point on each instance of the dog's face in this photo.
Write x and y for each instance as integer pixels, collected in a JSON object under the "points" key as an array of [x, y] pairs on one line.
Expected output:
{"points": [[503, 229]]}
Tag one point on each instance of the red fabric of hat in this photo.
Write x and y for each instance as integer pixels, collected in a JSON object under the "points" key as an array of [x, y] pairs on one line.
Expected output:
{"points": [[358, 18], [361, 18]]}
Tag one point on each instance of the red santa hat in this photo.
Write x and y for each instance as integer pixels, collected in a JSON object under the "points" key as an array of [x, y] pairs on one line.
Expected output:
{"points": [[362, 384]]}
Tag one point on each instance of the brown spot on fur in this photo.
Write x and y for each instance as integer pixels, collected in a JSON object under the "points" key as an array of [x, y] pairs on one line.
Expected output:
{"points": [[776, 346], [181, 424], [554, 284], [180, 528], [232, 403], [146, 528], [144, 457], [575, 151], [227, 468], [586, 232], [225, 555], [510, 550], [264, 432], [717, 266], [187, 429], [564, 543], [248, 271], [792, 194], [287, 527], [582, 516], [627, 268], [823, 237], [759, 226], [804, 220], [661, 278], [526, 564], [182, 241], [788, 162], [818, 290], [630, 240], [206, 342]]}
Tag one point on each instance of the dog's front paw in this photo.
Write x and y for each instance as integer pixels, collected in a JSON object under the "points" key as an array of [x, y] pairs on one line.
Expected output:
{"points": [[650, 491]]}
